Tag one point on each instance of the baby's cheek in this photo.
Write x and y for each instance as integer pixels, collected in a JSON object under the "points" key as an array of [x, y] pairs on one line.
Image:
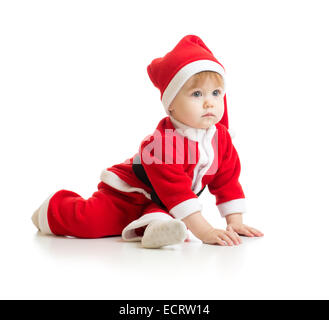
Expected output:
{"points": [[221, 113]]}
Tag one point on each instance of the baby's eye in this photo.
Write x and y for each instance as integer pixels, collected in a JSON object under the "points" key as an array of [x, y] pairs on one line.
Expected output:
{"points": [[217, 92], [196, 93]]}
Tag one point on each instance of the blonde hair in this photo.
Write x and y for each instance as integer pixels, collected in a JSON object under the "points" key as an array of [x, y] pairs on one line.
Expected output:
{"points": [[200, 77]]}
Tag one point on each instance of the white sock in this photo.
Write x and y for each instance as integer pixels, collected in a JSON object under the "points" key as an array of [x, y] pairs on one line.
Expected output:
{"points": [[160, 233]]}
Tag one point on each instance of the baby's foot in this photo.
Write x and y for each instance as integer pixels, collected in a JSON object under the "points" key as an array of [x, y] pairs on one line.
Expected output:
{"points": [[162, 233], [35, 218], [38, 216]]}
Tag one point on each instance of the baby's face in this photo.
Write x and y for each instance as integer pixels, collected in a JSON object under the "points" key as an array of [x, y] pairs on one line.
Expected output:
{"points": [[194, 102]]}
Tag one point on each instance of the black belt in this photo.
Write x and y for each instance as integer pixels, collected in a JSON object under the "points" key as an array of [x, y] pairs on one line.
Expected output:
{"points": [[142, 176]]}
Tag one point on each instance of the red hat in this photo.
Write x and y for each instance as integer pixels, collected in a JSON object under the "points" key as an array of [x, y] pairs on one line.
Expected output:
{"points": [[189, 57]]}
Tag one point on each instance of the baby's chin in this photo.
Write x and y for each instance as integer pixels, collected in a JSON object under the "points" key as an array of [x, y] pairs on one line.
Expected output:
{"points": [[207, 122], [201, 123]]}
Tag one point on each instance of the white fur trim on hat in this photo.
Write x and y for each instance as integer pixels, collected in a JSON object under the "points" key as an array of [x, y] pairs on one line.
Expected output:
{"points": [[184, 74]]}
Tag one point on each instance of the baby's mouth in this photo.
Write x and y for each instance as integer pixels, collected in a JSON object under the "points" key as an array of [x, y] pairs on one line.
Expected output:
{"points": [[209, 114]]}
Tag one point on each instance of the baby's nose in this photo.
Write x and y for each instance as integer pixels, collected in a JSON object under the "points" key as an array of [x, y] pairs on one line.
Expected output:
{"points": [[207, 105]]}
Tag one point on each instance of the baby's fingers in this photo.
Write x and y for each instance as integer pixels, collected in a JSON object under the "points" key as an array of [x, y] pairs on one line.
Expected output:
{"points": [[256, 232], [245, 232], [234, 236], [220, 241], [226, 238]]}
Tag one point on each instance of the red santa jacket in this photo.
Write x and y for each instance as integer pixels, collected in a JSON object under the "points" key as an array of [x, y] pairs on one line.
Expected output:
{"points": [[179, 162]]}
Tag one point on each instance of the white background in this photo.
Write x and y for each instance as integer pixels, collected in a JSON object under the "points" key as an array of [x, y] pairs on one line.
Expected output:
{"points": [[75, 98]]}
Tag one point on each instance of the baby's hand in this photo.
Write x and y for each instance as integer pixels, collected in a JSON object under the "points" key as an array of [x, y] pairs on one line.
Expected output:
{"points": [[221, 237], [243, 230]]}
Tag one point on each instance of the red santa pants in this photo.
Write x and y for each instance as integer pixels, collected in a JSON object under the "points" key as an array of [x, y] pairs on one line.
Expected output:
{"points": [[108, 212]]}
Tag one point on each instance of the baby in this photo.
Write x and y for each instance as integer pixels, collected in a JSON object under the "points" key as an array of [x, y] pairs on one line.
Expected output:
{"points": [[153, 196]]}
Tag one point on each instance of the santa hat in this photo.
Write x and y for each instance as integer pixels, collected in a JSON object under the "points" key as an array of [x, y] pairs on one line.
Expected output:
{"points": [[190, 56]]}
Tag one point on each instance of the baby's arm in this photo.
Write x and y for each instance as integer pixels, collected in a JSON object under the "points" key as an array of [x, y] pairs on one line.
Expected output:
{"points": [[201, 228]]}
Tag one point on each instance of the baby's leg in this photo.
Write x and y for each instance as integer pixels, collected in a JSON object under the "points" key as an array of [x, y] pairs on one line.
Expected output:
{"points": [[105, 213]]}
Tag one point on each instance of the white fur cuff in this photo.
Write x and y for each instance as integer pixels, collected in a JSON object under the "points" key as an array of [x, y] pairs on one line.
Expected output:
{"points": [[186, 208], [129, 234], [233, 206], [43, 216]]}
